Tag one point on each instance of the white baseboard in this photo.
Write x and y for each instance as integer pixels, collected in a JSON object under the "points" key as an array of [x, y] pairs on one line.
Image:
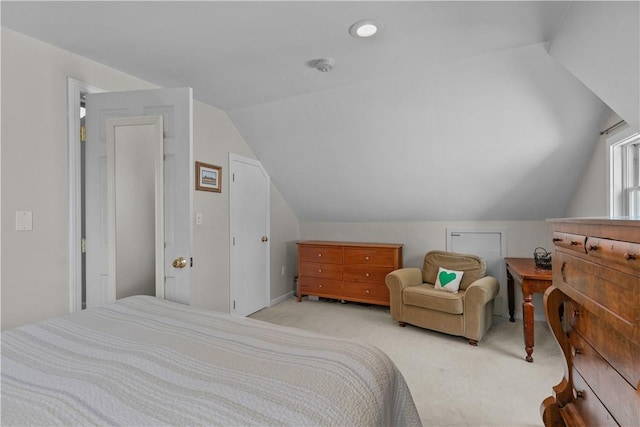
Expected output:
{"points": [[281, 298]]}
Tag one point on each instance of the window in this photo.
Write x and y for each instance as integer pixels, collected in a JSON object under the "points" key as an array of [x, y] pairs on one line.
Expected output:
{"points": [[624, 176]]}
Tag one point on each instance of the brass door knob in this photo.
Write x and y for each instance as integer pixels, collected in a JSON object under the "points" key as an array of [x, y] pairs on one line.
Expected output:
{"points": [[179, 262]]}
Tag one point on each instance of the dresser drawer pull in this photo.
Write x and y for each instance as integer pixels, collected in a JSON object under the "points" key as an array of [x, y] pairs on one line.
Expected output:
{"points": [[319, 270], [557, 239], [594, 247], [629, 257], [574, 243], [577, 351], [320, 286], [580, 394], [366, 258], [367, 291], [319, 255], [366, 275]]}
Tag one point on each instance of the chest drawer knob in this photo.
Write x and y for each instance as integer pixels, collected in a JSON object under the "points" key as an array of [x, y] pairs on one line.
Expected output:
{"points": [[366, 275], [320, 285], [580, 394], [366, 258], [577, 351], [319, 270], [367, 291], [593, 248], [319, 255], [629, 257]]}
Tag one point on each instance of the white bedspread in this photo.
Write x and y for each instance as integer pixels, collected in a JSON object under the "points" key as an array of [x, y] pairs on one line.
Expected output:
{"points": [[145, 361]]}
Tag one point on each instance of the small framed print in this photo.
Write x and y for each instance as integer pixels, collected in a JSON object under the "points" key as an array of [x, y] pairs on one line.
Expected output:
{"points": [[208, 177]]}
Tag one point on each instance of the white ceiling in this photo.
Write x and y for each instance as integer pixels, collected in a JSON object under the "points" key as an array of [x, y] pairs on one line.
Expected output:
{"points": [[455, 111]]}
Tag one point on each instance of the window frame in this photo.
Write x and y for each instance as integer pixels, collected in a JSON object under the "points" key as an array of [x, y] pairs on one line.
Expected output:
{"points": [[624, 172]]}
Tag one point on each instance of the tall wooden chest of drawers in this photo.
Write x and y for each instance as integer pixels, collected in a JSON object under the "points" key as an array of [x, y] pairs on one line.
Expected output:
{"points": [[347, 271], [596, 285]]}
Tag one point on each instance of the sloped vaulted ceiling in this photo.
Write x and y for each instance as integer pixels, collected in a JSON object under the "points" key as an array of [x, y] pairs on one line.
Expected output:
{"points": [[455, 111]]}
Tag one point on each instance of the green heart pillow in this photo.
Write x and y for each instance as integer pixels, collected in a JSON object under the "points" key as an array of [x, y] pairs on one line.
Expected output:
{"points": [[448, 280]]}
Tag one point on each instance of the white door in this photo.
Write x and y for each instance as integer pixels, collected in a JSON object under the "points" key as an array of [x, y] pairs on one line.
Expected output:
{"points": [[249, 213], [487, 244], [175, 107]]}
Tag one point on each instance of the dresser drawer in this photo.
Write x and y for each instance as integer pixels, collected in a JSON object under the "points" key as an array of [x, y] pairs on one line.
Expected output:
{"points": [[609, 293], [620, 350], [375, 293], [365, 274], [323, 271], [574, 242], [615, 253], [611, 388], [592, 411], [321, 254], [317, 286], [382, 257]]}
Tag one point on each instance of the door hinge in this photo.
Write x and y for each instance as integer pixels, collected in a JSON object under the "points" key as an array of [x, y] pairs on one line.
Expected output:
{"points": [[234, 304], [234, 241], [83, 245], [191, 262], [233, 177]]}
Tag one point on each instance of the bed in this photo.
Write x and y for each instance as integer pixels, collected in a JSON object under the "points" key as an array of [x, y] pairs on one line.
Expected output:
{"points": [[145, 361]]}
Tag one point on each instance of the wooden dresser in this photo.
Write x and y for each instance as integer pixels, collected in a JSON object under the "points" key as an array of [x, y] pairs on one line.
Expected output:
{"points": [[347, 271], [593, 309]]}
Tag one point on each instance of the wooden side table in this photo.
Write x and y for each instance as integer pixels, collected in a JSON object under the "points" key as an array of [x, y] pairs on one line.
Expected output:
{"points": [[533, 280]]}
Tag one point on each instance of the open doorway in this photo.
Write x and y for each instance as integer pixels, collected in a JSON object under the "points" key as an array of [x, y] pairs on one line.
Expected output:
{"points": [[92, 261]]}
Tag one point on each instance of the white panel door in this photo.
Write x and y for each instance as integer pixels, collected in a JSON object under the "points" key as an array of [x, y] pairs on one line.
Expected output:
{"points": [[175, 106], [489, 245], [249, 213]]}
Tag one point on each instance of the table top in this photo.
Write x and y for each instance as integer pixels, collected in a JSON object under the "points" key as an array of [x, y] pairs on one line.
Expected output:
{"points": [[526, 268]]}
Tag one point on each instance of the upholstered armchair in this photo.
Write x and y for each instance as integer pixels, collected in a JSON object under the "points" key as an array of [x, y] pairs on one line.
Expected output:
{"points": [[420, 298]]}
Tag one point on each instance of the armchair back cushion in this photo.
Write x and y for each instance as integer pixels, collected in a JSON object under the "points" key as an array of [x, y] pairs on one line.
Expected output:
{"points": [[473, 266]]}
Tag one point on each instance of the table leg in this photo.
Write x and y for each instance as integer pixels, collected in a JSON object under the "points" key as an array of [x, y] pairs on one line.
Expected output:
{"points": [[510, 297], [527, 320]]}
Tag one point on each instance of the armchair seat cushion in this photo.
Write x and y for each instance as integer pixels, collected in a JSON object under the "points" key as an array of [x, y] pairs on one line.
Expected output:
{"points": [[425, 296]]}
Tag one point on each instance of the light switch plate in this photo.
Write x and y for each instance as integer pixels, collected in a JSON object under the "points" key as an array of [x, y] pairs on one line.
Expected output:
{"points": [[24, 221]]}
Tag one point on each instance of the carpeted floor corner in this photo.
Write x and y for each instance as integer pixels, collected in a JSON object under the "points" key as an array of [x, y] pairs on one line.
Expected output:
{"points": [[452, 383]]}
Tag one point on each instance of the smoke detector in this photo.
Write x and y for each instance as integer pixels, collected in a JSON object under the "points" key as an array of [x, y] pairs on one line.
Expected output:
{"points": [[323, 64]]}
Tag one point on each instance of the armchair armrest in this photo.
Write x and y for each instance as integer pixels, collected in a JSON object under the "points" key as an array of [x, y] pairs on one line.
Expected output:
{"points": [[396, 281], [477, 315], [481, 291]]}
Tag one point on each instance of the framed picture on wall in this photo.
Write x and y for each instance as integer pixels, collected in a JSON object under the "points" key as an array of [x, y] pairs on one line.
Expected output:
{"points": [[208, 177]]}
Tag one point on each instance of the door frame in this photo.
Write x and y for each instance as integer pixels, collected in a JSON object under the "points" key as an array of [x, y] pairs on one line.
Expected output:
{"points": [[233, 158], [75, 89]]}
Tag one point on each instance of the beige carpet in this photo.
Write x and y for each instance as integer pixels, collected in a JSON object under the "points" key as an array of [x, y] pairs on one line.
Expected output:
{"points": [[453, 383]]}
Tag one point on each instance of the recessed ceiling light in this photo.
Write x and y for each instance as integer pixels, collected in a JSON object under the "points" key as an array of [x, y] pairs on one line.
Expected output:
{"points": [[365, 28]]}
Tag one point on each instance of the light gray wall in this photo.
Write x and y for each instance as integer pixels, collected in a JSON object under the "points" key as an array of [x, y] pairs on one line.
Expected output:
{"points": [[595, 44], [34, 276], [590, 197]]}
